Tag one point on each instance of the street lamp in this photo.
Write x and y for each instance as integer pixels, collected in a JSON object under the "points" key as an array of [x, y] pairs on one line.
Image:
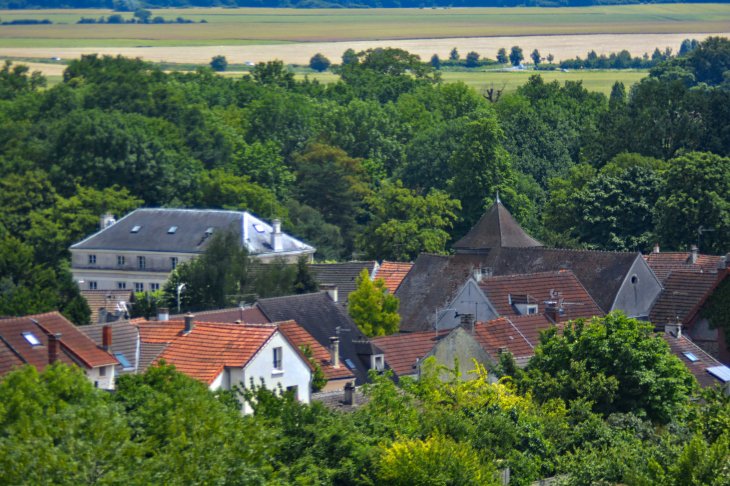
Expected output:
{"points": [[179, 289]]}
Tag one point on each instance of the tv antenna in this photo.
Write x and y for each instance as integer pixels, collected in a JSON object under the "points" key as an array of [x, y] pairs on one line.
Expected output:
{"points": [[701, 230]]}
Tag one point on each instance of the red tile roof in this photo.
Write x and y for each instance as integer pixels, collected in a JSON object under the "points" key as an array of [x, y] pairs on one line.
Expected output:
{"points": [[298, 336], [75, 347], [210, 347], [160, 332], [502, 333], [698, 368], [249, 315], [393, 273], [402, 350], [664, 262], [577, 302], [683, 291]]}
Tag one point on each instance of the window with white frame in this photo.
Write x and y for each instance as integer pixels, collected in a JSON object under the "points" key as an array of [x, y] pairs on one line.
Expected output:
{"points": [[277, 358], [92, 259], [120, 260], [173, 262], [92, 285], [139, 286], [121, 285], [141, 262], [154, 287]]}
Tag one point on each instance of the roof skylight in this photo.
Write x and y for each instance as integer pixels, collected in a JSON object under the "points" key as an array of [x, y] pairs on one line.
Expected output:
{"points": [[350, 364], [259, 228], [721, 372], [32, 340], [172, 230], [691, 357], [122, 360], [136, 229]]}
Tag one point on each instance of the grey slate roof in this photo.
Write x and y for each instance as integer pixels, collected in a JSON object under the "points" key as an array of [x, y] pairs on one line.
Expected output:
{"points": [[190, 236], [434, 280], [497, 228], [344, 275], [125, 340], [320, 317]]}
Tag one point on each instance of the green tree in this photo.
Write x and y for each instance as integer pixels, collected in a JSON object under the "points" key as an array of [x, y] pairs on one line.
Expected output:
{"points": [[516, 56], [305, 282], [535, 57], [143, 15], [454, 54], [502, 57], [373, 309], [349, 56], [472, 59], [273, 279], [550, 58], [308, 224], [435, 61], [16, 81], [319, 63], [25, 286], [404, 224], [695, 193], [319, 380], [685, 48], [218, 189], [219, 63], [616, 363]]}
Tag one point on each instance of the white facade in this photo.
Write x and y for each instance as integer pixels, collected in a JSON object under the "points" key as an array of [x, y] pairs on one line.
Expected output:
{"points": [[293, 372], [469, 300], [101, 376]]}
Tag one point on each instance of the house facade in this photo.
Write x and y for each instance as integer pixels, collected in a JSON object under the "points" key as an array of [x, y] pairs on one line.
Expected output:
{"points": [[139, 251]]}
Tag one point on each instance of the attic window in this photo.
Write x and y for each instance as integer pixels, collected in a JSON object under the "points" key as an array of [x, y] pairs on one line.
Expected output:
{"points": [[531, 309], [172, 230], [350, 364], [122, 360], [720, 372], [32, 340], [259, 228], [136, 229], [691, 357]]}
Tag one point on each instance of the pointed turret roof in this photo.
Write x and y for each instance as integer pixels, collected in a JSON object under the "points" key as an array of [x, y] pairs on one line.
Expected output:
{"points": [[497, 228]]}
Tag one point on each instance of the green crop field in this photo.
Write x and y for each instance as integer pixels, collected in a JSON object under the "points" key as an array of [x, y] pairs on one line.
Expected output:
{"points": [[303, 25]]}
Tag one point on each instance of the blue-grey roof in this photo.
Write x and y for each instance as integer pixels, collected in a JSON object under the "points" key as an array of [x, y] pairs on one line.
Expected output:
{"points": [[191, 233]]}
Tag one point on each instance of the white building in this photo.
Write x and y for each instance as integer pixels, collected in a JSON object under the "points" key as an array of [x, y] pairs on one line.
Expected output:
{"points": [[139, 251]]}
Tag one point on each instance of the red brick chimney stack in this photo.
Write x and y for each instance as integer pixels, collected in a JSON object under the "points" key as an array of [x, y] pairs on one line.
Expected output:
{"points": [[53, 348], [106, 338]]}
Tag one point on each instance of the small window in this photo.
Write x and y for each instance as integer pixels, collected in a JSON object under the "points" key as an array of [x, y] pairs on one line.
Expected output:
{"points": [[259, 228], [172, 230], [379, 363], [102, 371], [531, 309], [122, 360], [121, 285], [139, 287], [92, 259], [634, 279], [277, 358], [136, 229], [173, 262], [32, 340], [350, 364], [92, 285], [691, 357], [154, 287], [141, 262], [120, 260]]}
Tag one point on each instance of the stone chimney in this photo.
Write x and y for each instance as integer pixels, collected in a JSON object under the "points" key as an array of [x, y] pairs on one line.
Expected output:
{"points": [[331, 291], [552, 310], [656, 248], [722, 264], [277, 242], [674, 328], [189, 323], [335, 352], [467, 322], [694, 254], [349, 394], [163, 314], [54, 348], [478, 272], [107, 220], [106, 338]]}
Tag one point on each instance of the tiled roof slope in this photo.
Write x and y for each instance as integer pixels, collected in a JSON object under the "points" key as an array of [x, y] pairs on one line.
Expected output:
{"points": [[298, 336], [249, 315], [105, 299], [160, 332], [683, 291], [402, 350], [531, 325], [664, 262], [209, 347], [149, 353], [125, 338], [698, 368], [393, 274], [344, 275], [75, 345], [321, 318], [434, 280], [9, 360], [538, 286], [501, 333], [190, 235], [495, 229]]}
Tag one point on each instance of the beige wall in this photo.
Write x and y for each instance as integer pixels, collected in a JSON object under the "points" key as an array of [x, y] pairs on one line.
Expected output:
{"points": [[460, 344]]}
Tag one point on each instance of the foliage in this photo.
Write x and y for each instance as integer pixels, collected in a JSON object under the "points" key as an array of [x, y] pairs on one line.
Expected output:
{"points": [[502, 57], [219, 63], [516, 56], [373, 309], [15, 81], [319, 62], [319, 380], [717, 310]]}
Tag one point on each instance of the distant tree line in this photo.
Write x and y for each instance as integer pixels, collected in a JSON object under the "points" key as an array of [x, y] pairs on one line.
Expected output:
{"points": [[623, 59]]}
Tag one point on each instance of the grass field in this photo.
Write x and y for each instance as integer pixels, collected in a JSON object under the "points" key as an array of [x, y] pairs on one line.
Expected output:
{"points": [[304, 25]]}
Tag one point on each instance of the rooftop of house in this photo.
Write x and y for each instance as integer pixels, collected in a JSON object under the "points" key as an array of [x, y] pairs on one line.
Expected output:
{"points": [[186, 231], [537, 288], [694, 358], [503, 333], [343, 275], [335, 400], [232, 315], [664, 262], [393, 274], [105, 299], [683, 292], [322, 319], [125, 343], [402, 351], [298, 336], [25, 340], [497, 228]]}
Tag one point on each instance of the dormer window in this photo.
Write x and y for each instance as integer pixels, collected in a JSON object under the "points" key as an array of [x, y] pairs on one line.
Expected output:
{"points": [[377, 362], [32, 340], [172, 230], [136, 229], [531, 309]]}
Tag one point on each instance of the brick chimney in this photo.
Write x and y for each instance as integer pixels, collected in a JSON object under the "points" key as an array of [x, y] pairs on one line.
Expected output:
{"points": [[54, 348], [189, 323], [552, 310], [467, 322], [349, 394], [335, 352], [656, 248], [106, 338], [694, 254], [277, 236]]}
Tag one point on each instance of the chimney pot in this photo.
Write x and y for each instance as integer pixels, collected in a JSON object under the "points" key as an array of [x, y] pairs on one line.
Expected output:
{"points": [[163, 314], [106, 338], [189, 323], [331, 291], [335, 352], [467, 321], [349, 393], [478, 272], [276, 236], [694, 254], [53, 348], [656, 248]]}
